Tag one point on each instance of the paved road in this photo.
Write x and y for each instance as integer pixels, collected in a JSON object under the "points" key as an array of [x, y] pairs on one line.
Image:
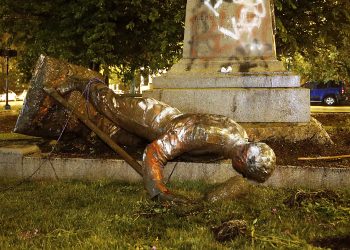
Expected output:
{"points": [[333, 109]]}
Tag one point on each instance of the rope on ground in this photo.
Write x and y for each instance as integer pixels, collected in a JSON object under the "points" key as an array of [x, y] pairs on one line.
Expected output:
{"points": [[86, 93], [172, 171]]}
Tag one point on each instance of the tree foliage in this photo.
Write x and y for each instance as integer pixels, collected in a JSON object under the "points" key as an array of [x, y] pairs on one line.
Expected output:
{"points": [[314, 37], [124, 33]]}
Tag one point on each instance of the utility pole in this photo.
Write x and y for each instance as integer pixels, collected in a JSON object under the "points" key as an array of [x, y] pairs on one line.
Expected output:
{"points": [[7, 53]]}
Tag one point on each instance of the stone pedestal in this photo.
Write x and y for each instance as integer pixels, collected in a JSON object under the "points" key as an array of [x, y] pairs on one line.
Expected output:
{"points": [[229, 66]]}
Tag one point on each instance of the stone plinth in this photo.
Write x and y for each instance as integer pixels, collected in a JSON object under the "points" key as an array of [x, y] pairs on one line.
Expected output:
{"points": [[229, 66], [241, 104], [190, 80]]}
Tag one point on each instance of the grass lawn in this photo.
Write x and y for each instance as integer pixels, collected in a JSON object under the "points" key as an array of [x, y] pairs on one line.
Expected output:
{"points": [[115, 215]]}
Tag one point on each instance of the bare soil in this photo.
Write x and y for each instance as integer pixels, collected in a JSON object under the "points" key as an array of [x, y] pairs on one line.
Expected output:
{"points": [[337, 125]]}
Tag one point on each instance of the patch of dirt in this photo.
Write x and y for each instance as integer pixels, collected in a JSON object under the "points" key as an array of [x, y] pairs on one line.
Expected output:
{"points": [[287, 153], [337, 125], [229, 230], [334, 243], [338, 128], [296, 199]]}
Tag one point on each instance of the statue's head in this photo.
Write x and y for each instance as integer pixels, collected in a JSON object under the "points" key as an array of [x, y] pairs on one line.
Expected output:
{"points": [[254, 160]]}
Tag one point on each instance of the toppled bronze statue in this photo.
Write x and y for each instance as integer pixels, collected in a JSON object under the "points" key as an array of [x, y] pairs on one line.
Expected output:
{"points": [[169, 132]]}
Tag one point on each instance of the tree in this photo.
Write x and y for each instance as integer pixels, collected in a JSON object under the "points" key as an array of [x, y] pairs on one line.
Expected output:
{"points": [[128, 34], [314, 36]]}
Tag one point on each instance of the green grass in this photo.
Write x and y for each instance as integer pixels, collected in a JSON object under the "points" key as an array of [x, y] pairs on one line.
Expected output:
{"points": [[114, 215]]}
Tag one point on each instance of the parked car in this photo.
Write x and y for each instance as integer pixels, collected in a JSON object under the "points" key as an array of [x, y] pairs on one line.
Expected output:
{"points": [[21, 96], [11, 96], [329, 93]]}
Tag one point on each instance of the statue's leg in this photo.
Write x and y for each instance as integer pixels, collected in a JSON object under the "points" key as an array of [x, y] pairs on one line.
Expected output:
{"points": [[154, 159], [156, 156]]}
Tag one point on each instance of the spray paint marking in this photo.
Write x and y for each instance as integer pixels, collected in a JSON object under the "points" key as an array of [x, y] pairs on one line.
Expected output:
{"points": [[244, 24], [204, 34], [215, 7]]}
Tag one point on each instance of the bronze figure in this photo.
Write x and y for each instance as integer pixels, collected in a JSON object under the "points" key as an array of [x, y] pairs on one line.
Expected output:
{"points": [[169, 132]]}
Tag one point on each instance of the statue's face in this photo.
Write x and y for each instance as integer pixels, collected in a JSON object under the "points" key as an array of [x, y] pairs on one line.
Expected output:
{"points": [[239, 158]]}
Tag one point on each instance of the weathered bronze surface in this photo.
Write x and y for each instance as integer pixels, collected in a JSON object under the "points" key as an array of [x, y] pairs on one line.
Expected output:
{"points": [[41, 115], [169, 132], [91, 125]]}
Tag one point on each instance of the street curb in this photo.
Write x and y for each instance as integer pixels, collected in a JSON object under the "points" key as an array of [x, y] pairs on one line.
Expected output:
{"points": [[20, 166]]}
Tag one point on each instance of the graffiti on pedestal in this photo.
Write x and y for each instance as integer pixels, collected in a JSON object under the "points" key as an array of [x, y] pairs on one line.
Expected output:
{"points": [[232, 28]]}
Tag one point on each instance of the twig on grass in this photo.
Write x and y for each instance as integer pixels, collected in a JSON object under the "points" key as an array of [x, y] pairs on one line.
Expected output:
{"points": [[336, 157]]}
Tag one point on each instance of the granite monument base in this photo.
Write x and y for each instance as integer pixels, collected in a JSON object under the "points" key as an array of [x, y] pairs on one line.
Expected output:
{"points": [[252, 98]]}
